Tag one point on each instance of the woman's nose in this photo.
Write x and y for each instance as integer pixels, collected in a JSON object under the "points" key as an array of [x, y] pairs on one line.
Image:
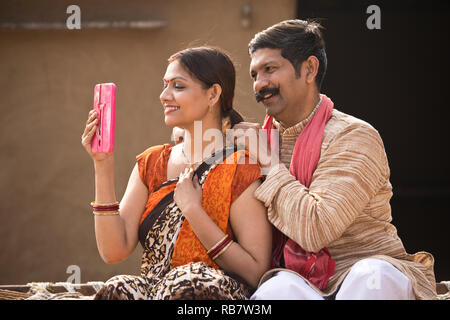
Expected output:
{"points": [[165, 95]]}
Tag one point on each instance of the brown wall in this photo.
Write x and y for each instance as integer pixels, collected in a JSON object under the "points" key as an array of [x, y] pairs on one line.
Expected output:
{"points": [[46, 89]]}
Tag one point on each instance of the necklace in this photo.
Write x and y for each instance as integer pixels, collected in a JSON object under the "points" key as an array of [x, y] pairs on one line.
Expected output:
{"points": [[191, 164]]}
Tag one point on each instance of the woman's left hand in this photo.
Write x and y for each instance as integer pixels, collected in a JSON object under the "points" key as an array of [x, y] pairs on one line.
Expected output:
{"points": [[188, 192]]}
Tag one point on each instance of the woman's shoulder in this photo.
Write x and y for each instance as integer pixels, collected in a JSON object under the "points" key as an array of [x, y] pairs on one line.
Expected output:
{"points": [[152, 164], [154, 151], [247, 167], [239, 157], [247, 172]]}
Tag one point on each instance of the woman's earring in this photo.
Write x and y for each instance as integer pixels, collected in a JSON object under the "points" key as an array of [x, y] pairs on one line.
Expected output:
{"points": [[210, 108]]}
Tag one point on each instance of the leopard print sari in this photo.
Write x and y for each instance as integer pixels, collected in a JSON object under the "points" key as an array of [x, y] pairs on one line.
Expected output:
{"points": [[158, 278]]}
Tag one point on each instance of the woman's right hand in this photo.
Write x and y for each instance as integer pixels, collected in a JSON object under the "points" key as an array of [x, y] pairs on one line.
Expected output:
{"points": [[88, 135]]}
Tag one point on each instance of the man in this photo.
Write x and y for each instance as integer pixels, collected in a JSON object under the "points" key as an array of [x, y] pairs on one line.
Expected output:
{"points": [[328, 192]]}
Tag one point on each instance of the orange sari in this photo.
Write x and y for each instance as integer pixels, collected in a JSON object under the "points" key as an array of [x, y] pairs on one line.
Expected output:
{"points": [[222, 184], [174, 262]]}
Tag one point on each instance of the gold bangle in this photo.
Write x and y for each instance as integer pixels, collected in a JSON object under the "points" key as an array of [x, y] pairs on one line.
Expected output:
{"points": [[223, 250], [217, 244], [106, 213], [93, 203]]}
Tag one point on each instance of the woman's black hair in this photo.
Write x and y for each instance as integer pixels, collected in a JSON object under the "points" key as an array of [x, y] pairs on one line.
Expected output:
{"points": [[211, 65]]}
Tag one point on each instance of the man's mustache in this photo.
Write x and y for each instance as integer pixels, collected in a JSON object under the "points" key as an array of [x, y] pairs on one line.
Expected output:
{"points": [[261, 93]]}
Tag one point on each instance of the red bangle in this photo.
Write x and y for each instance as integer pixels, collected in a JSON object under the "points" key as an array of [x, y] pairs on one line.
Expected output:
{"points": [[106, 208], [212, 254]]}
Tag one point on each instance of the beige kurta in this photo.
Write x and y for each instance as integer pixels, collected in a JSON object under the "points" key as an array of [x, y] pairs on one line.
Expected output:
{"points": [[346, 208]]}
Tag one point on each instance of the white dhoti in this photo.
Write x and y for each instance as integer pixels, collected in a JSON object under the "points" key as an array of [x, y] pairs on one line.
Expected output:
{"points": [[368, 279]]}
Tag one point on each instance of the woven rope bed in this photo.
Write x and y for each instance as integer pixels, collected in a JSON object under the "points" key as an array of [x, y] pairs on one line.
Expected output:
{"points": [[50, 291], [86, 291]]}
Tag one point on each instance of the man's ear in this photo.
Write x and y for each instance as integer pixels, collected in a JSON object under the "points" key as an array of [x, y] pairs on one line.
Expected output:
{"points": [[214, 93], [310, 67]]}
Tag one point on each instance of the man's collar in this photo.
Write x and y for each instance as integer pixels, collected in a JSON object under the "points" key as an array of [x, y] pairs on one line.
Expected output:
{"points": [[298, 127]]}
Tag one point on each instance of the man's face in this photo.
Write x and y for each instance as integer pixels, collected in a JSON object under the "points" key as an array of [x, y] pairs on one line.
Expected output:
{"points": [[275, 83]]}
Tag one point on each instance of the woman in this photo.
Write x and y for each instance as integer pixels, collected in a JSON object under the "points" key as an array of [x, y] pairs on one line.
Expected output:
{"points": [[204, 234]]}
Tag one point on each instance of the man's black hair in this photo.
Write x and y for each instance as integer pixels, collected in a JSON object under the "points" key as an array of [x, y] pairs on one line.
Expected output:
{"points": [[298, 40]]}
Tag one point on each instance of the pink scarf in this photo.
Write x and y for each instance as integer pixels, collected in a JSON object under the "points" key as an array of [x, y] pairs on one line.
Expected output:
{"points": [[316, 267]]}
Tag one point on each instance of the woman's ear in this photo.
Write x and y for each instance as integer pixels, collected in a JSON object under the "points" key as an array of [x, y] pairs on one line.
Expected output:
{"points": [[214, 94]]}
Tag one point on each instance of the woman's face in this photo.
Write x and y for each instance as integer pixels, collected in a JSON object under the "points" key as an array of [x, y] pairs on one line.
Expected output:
{"points": [[184, 99]]}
